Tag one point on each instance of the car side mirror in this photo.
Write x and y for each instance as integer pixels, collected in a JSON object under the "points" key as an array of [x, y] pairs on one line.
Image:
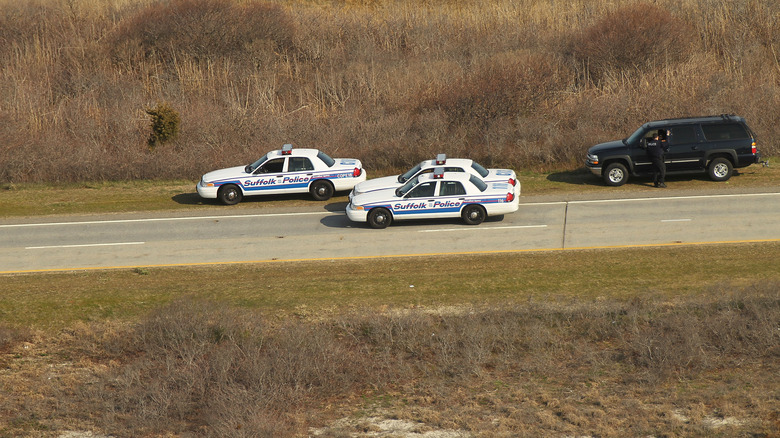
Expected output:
{"points": [[643, 143]]}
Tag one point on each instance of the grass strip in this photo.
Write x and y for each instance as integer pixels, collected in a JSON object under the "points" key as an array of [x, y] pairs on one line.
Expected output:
{"points": [[51, 301]]}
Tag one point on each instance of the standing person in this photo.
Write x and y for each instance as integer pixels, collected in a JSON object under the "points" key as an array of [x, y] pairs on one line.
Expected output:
{"points": [[656, 149]]}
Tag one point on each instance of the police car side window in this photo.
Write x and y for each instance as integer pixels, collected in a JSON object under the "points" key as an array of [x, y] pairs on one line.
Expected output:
{"points": [[423, 190], [454, 169], [451, 188], [298, 164], [272, 166]]}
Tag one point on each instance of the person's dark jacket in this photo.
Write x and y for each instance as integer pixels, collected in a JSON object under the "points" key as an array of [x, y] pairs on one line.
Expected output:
{"points": [[656, 148]]}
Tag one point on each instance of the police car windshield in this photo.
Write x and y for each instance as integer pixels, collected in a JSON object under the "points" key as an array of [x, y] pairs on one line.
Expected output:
{"points": [[480, 170], [478, 183], [326, 159], [410, 173], [401, 191], [251, 167]]}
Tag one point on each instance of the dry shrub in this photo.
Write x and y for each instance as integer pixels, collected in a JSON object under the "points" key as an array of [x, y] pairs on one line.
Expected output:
{"points": [[215, 370], [502, 86], [636, 37], [197, 364], [201, 29]]}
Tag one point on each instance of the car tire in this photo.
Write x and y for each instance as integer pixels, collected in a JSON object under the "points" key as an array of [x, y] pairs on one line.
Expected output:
{"points": [[230, 194], [720, 169], [321, 190], [379, 218], [615, 174], [473, 214]]}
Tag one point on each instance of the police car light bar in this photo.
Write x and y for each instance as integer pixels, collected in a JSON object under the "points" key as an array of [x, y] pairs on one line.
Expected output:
{"points": [[287, 149], [438, 173], [441, 159]]}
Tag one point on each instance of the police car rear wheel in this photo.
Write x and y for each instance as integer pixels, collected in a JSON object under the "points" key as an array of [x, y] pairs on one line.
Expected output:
{"points": [[321, 190], [379, 218], [473, 214], [230, 194]]}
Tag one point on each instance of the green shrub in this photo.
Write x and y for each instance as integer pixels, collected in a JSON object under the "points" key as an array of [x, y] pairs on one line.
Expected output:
{"points": [[164, 124]]}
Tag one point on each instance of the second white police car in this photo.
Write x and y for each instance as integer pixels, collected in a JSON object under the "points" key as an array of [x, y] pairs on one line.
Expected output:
{"points": [[289, 170], [436, 195], [427, 166]]}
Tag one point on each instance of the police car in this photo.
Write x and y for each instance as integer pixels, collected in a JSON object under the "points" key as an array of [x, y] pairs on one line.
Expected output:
{"points": [[289, 170], [427, 166], [438, 194]]}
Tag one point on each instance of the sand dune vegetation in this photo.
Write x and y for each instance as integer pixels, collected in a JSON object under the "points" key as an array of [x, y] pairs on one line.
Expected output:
{"points": [[528, 84]]}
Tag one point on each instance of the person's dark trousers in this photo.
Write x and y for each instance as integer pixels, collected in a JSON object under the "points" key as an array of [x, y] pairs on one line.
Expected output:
{"points": [[659, 169]]}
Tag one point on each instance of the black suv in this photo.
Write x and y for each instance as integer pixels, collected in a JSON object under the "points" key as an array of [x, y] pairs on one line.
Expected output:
{"points": [[714, 144]]}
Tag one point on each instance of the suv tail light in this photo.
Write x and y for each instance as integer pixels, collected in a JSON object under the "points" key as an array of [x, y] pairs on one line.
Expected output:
{"points": [[510, 197], [753, 148], [356, 172], [512, 181]]}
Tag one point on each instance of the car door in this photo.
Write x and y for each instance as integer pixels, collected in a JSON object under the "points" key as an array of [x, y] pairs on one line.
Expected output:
{"points": [[685, 151], [267, 178], [417, 203], [638, 153], [300, 171]]}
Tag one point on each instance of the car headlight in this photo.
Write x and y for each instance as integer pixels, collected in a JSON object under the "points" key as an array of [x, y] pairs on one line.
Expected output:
{"points": [[354, 207], [593, 159]]}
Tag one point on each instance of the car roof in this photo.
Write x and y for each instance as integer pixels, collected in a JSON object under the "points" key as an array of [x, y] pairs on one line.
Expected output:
{"points": [[296, 152], [450, 176], [465, 162], [703, 119]]}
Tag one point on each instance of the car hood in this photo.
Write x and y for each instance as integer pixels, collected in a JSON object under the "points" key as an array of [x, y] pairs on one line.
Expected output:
{"points": [[378, 184], [608, 146], [380, 195], [230, 172]]}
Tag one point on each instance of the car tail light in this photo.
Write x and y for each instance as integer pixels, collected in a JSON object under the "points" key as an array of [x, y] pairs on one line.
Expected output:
{"points": [[510, 197], [754, 148], [356, 172], [512, 181]]}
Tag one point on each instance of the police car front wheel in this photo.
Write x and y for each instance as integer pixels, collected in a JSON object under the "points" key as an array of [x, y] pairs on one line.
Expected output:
{"points": [[230, 194], [379, 218]]}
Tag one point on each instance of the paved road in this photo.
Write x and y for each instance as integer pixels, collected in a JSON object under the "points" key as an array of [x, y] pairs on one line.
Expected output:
{"points": [[227, 236]]}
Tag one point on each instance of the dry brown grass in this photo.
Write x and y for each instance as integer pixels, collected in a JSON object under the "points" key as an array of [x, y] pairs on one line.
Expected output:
{"points": [[644, 366], [525, 84]]}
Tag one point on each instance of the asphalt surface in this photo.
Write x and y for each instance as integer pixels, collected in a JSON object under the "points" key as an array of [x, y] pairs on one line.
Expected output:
{"points": [[226, 235]]}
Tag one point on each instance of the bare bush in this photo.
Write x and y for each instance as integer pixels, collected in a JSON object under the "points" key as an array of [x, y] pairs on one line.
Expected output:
{"points": [[636, 37], [202, 29]]}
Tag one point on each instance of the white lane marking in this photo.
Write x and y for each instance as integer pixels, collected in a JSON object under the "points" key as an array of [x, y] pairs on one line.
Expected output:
{"points": [[670, 198], [676, 220], [165, 219], [85, 245], [482, 228]]}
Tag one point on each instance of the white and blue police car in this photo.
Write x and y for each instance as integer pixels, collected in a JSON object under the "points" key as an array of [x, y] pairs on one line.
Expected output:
{"points": [[427, 166], [436, 195], [288, 170]]}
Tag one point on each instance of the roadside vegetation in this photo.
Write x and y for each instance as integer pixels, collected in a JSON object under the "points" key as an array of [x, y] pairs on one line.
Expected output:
{"points": [[145, 89], [522, 344], [120, 106]]}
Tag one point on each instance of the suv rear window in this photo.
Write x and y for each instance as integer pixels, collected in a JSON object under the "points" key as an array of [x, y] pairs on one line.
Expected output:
{"points": [[724, 131]]}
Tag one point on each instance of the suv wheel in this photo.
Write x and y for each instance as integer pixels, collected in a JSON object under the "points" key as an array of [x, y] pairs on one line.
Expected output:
{"points": [[720, 169], [615, 174]]}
